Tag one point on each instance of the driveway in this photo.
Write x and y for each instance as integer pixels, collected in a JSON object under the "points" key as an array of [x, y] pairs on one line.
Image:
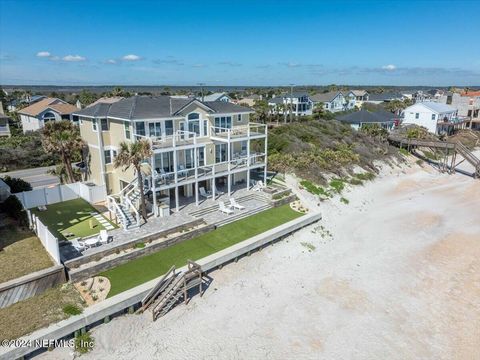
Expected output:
{"points": [[37, 177]]}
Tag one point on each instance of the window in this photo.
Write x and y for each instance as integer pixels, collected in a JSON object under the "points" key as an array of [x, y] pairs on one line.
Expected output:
{"points": [[169, 127], [433, 116], [201, 156], [155, 129], [224, 122], [104, 124], [48, 116], [189, 158], [239, 119], [326, 105], [94, 124], [140, 128], [205, 127], [220, 153], [108, 156], [449, 99], [127, 130], [244, 147], [417, 115], [194, 123]]}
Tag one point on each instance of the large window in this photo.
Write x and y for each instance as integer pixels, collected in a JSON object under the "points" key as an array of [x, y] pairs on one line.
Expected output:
{"points": [[155, 129], [104, 124], [167, 161], [220, 153], [94, 124], [189, 158], [194, 123], [140, 128], [48, 116], [224, 122]]}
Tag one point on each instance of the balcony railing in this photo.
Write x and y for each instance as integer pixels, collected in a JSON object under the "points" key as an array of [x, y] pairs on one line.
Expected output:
{"points": [[252, 129], [453, 120], [178, 138], [163, 178]]}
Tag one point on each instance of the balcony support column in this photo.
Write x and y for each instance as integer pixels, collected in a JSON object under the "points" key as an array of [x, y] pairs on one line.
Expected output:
{"points": [[248, 157], [195, 161], [265, 158], [229, 166], [154, 187], [213, 182], [175, 169]]}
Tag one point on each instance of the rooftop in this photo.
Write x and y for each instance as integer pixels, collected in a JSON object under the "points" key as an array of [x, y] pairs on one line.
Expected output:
{"points": [[55, 104], [365, 116], [438, 107], [325, 97]]}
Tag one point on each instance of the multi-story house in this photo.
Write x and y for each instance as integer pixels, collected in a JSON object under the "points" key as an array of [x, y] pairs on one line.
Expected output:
{"points": [[198, 148], [35, 116], [298, 104], [467, 104], [360, 97], [334, 101], [435, 117]]}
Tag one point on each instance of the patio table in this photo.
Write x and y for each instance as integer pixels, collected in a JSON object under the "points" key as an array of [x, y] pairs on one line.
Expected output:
{"points": [[91, 242]]}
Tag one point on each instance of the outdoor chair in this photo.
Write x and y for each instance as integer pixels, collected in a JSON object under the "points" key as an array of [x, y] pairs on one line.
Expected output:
{"points": [[218, 192], [104, 238], [205, 194], [258, 186], [224, 209], [236, 205], [79, 246]]}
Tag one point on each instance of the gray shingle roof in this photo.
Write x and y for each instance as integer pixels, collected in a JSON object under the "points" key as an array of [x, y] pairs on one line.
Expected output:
{"points": [[387, 96], [365, 116], [325, 97], [148, 107]]}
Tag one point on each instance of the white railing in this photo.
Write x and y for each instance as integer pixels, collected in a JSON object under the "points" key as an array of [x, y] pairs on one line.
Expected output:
{"points": [[242, 130], [178, 138], [114, 207]]}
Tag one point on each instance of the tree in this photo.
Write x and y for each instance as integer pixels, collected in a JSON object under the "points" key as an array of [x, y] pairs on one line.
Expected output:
{"points": [[17, 185], [63, 138], [86, 97], [134, 154]]}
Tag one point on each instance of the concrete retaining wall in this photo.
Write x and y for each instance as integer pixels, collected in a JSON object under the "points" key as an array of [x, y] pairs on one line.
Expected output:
{"points": [[285, 200], [120, 302], [103, 265], [30, 285]]}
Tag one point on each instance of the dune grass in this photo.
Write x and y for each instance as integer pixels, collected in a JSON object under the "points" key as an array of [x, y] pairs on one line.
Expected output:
{"points": [[146, 268], [73, 216]]}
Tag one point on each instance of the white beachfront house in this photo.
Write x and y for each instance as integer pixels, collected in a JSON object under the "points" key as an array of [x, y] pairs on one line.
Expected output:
{"points": [[334, 101], [435, 117], [298, 103]]}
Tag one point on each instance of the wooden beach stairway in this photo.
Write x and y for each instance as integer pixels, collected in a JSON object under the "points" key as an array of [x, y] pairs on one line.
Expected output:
{"points": [[171, 288], [458, 152]]}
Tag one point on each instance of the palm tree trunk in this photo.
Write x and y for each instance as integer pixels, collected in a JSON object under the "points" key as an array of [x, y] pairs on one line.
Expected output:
{"points": [[143, 207], [68, 168]]}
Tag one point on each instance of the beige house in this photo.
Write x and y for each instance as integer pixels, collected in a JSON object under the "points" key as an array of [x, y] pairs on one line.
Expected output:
{"points": [[198, 148]]}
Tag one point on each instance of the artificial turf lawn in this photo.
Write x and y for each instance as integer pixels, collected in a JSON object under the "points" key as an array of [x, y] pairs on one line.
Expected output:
{"points": [[149, 267], [71, 216]]}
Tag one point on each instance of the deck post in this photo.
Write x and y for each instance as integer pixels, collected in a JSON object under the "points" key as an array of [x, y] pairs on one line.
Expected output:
{"points": [[154, 188], [248, 157], [177, 203], [265, 158], [195, 161], [229, 166], [213, 182]]}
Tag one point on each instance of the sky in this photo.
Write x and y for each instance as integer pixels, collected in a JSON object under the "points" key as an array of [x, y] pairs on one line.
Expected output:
{"points": [[240, 43]]}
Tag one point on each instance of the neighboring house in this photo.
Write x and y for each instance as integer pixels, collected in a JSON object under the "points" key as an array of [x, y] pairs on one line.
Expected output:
{"points": [[384, 97], [467, 104], [4, 123], [437, 118], [35, 116], [29, 100], [333, 101], [360, 118], [106, 100], [218, 96], [360, 97], [195, 144], [249, 100], [298, 103]]}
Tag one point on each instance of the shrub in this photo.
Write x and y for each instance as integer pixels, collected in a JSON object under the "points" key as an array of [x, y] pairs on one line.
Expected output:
{"points": [[365, 176], [71, 309], [140, 245], [14, 208], [404, 152], [84, 343], [17, 185], [338, 185], [344, 200]]}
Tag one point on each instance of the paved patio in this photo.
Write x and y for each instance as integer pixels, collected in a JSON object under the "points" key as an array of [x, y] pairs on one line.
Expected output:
{"points": [[206, 210]]}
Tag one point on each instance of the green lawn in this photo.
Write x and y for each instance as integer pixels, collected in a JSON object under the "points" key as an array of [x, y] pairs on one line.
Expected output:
{"points": [[71, 216], [146, 268]]}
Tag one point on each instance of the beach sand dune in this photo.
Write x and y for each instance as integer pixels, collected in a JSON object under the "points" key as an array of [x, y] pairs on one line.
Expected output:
{"points": [[398, 278]]}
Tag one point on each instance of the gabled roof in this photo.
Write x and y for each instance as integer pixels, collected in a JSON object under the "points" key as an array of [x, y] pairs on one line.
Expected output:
{"points": [[386, 96], [106, 100], [359, 92], [154, 107], [437, 107], [214, 96], [39, 106], [325, 97], [365, 116]]}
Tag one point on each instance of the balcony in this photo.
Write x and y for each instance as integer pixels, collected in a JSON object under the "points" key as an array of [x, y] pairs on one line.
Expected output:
{"points": [[184, 176], [243, 132], [179, 138], [453, 120]]}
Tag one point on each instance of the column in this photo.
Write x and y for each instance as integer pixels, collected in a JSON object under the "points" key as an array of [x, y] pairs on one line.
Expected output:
{"points": [[213, 182], [154, 188], [229, 158], [177, 205], [195, 161], [248, 157], [265, 160]]}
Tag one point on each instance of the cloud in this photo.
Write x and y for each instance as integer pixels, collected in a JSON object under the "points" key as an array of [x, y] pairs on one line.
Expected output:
{"points": [[111, 61], [43, 54], [131, 57], [229, 63], [74, 58], [199, 65], [291, 64], [389, 67]]}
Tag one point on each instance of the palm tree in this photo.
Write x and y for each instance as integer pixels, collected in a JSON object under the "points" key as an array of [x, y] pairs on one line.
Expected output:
{"points": [[63, 138], [134, 154]]}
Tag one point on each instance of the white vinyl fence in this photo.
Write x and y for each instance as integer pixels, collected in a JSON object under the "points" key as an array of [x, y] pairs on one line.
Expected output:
{"points": [[49, 242], [58, 193]]}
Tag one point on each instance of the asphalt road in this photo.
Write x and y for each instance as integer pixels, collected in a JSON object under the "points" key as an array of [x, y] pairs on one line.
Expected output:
{"points": [[37, 177]]}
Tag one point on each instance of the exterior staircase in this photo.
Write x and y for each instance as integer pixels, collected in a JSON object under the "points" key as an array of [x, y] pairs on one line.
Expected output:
{"points": [[126, 205]]}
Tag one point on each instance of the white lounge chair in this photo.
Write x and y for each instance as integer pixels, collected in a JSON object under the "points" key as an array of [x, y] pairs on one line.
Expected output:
{"points": [[258, 186], [79, 246], [104, 238], [205, 194], [224, 209], [236, 205]]}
